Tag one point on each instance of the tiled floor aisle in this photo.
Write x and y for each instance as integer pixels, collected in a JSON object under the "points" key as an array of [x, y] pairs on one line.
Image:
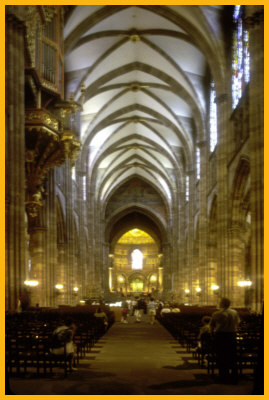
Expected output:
{"points": [[135, 359]]}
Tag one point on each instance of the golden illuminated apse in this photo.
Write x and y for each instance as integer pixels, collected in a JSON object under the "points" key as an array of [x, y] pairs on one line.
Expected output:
{"points": [[135, 263]]}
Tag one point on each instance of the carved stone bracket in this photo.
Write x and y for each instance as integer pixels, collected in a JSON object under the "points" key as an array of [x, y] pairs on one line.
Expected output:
{"points": [[256, 19]]}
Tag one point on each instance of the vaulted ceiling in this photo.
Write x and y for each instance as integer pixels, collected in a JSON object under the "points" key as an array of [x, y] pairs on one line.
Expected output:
{"points": [[142, 74]]}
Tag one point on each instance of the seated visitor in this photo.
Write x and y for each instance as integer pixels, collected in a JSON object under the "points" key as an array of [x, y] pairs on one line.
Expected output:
{"points": [[102, 315], [166, 309], [175, 308], [205, 328], [62, 341]]}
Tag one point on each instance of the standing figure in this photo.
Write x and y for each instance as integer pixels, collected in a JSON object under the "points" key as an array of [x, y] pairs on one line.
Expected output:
{"points": [[224, 324], [152, 305], [140, 309], [124, 311]]}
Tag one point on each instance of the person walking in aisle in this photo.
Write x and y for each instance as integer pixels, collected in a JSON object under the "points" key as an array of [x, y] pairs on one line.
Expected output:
{"points": [[152, 305], [140, 309]]}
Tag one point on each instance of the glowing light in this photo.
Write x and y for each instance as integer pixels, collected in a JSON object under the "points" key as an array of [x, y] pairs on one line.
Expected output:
{"points": [[198, 290], [59, 286], [31, 283], [137, 259], [75, 289], [187, 291], [136, 236], [121, 279], [82, 301], [73, 173], [244, 283], [153, 278], [214, 287]]}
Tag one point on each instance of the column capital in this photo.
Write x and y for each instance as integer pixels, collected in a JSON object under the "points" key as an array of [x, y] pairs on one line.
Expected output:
{"points": [[34, 229], [201, 144], [81, 173], [221, 98], [235, 227], [190, 172], [255, 19]]}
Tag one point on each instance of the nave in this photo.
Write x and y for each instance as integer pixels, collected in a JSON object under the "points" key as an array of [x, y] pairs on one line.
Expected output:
{"points": [[133, 359]]}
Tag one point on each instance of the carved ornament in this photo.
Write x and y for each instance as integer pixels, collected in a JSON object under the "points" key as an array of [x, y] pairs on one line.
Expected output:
{"points": [[32, 20], [42, 118], [46, 147]]}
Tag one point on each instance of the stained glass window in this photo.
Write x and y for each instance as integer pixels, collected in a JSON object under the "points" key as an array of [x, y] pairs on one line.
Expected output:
{"points": [[213, 118], [73, 173], [137, 259], [198, 163], [84, 188], [187, 193], [241, 60]]}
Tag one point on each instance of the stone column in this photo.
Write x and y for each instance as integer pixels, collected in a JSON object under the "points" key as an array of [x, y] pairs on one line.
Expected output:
{"points": [[82, 251], [71, 260], [203, 234], [190, 250], [15, 160], [236, 265], [255, 21], [111, 272], [90, 218], [167, 277], [38, 272], [181, 245], [61, 275], [50, 245], [222, 198], [160, 279]]}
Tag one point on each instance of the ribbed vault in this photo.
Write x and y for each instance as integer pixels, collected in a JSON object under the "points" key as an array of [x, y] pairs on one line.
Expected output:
{"points": [[142, 75]]}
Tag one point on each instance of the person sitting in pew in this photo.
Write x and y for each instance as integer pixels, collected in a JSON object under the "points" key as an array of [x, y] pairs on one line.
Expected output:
{"points": [[62, 341]]}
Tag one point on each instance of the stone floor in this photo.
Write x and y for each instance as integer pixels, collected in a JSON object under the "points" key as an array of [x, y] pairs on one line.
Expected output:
{"points": [[133, 359]]}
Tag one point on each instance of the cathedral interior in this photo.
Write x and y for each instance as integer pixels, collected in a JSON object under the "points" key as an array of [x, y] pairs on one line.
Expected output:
{"points": [[134, 142], [134, 128]]}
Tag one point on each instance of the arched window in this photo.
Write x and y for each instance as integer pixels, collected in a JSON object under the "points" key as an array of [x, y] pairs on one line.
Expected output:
{"points": [[187, 192], [197, 163], [137, 259], [73, 173], [241, 62], [213, 118], [84, 189]]}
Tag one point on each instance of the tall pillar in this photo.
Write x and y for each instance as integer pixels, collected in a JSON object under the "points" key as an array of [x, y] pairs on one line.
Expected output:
{"points": [[15, 151], [37, 273], [203, 234], [181, 245], [160, 279], [236, 264], [61, 275], [255, 21], [190, 249], [222, 198], [111, 272]]}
